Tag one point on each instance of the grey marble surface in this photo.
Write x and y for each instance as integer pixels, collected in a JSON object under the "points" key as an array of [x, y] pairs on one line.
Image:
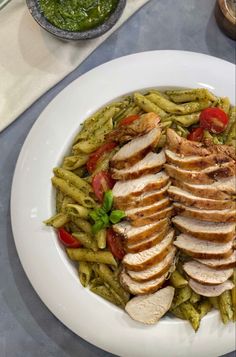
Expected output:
{"points": [[27, 328]]}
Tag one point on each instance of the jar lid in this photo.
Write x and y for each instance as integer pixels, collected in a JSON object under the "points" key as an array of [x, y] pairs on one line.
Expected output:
{"points": [[225, 13]]}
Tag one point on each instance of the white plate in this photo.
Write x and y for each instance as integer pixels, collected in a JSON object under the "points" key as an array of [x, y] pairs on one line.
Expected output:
{"points": [[45, 263]]}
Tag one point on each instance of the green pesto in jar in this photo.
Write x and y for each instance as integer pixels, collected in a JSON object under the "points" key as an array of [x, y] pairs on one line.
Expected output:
{"points": [[77, 15]]}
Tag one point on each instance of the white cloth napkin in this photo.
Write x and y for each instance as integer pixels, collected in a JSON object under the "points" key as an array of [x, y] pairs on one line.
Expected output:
{"points": [[32, 61]]}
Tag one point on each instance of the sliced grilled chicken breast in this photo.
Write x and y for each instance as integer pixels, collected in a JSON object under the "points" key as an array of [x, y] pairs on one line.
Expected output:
{"points": [[226, 215], [206, 176], [132, 188], [150, 164], [186, 147], [140, 212], [187, 198], [145, 199], [222, 263], [219, 190], [155, 270], [148, 242], [136, 149], [218, 232], [148, 309], [205, 275], [203, 249], [136, 234], [148, 257], [165, 213], [137, 288], [183, 146], [197, 163], [210, 290], [139, 127]]}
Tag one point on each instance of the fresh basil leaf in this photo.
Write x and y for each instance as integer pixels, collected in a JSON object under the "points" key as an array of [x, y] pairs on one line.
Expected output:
{"points": [[107, 201], [101, 212], [116, 216], [97, 226], [94, 215], [105, 220]]}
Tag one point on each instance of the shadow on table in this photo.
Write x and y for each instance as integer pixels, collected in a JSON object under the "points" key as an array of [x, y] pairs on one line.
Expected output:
{"points": [[36, 319]]}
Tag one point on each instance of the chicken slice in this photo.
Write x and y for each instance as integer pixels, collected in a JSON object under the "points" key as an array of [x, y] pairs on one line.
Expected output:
{"points": [[149, 309], [137, 288], [210, 290], [136, 234], [155, 217], [186, 147], [132, 188], [188, 199], [225, 215], [148, 242], [139, 127], [150, 164], [140, 212], [146, 258], [203, 249], [218, 232], [136, 149], [197, 163], [220, 263], [205, 275], [145, 199], [206, 176], [219, 190], [155, 270]]}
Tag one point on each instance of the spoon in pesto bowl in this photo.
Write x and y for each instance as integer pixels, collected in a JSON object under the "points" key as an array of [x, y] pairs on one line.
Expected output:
{"points": [[76, 19]]}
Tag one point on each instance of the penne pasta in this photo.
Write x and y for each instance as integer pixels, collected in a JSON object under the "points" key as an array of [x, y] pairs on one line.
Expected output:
{"points": [[189, 95], [70, 177], [74, 162], [57, 221], [105, 273], [147, 106], [224, 104], [88, 255], [73, 192], [85, 273], [86, 240], [77, 211], [105, 293]]}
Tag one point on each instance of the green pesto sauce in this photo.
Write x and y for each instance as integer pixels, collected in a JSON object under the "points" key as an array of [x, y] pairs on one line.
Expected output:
{"points": [[77, 15]]}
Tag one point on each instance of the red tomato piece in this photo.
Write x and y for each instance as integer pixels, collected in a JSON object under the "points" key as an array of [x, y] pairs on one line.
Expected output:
{"points": [[101, 183], [114, 242], [67, 239], [128, 120], [196, 134], [213, 119], [95, 156]]}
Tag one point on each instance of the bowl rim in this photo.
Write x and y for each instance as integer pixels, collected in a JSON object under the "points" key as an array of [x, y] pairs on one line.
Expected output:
{"points": [[37, 14]]}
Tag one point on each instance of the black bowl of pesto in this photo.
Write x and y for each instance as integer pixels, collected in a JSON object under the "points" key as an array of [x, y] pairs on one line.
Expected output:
{"points": [[76, 19]]}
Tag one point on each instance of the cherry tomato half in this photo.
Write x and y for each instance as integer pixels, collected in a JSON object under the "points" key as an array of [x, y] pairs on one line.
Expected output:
{"points": [[101, 183], [95, 156], [196, 134], [114, 242], [128, 120], [67, 239], [213, 119]]}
